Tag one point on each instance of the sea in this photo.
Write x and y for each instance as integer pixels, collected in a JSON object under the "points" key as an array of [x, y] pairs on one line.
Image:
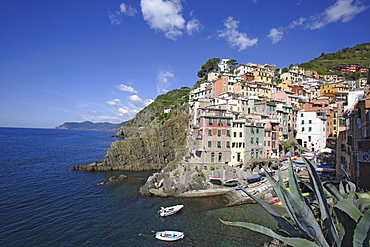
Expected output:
{"points": [[45, 203]]}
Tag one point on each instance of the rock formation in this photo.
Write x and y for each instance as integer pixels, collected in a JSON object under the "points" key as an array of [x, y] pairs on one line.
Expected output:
{"points": [[151, 148]]}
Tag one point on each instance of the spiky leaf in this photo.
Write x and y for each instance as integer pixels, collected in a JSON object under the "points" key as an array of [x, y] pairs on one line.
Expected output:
{"points": [[362, 203], [298, 242], [284, 224], [318, 190], [299, 212], [362, 231], [349, 208]]}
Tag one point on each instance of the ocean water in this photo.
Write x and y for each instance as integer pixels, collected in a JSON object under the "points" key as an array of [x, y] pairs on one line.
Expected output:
{"points": [[44, 203]]}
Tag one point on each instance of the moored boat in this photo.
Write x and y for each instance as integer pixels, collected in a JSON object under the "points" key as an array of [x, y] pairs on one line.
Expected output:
{"points": [[166, 211], [231, 182], [169, 235]]}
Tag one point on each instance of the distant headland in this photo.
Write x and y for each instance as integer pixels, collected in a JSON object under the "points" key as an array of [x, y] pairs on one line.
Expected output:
{"points": [[87, 125]]}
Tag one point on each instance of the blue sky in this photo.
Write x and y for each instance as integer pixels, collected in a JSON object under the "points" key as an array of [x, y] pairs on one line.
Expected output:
{"points": [[104, 60]]}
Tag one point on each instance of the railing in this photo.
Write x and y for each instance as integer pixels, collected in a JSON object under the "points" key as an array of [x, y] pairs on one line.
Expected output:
{"points": [[363, 157]]}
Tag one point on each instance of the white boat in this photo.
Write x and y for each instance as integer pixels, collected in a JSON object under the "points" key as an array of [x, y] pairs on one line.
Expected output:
{"points": [[169, 235], [170, 210]]}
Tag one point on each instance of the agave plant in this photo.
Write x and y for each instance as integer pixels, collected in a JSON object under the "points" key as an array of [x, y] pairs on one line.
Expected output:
{"points": [[344, 223]]}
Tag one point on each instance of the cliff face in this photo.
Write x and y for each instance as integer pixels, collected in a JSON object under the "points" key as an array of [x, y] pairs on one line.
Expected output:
{"points": [[152, 149]]}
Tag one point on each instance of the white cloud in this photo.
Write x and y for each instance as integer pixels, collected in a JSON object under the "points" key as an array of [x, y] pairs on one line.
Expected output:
{"points": [[115, 102], [344, 10], [115, 17], [298, 22], [234, 37], [193, 25], [276, 35], [165, 16], [127, 9], [164, 79], [125, 88], [138, 102]]}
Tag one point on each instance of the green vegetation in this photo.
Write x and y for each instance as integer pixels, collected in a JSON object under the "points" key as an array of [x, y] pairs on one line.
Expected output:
{"points": [[359, 54], [345, 221], [176, 100]]}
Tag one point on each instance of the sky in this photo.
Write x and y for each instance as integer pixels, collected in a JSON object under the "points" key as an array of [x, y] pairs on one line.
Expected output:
{"points": [[104, 60]]}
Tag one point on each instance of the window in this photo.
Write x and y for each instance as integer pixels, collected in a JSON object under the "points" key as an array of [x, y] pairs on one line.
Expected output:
{"points": [[227, 132], [228, 144], [240, 134], [210, 121], [310, 121], [252, 140], [219, 157], [309, 128], [302, 129], [219, 121], [302, 122], [209, 144], [209, 132], [234, 134], [212, 157], [219, 132], [228, 122], [218, 144], [257, 140]]}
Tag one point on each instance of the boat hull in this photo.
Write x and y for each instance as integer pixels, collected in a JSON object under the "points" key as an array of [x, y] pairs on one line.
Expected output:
{"points": [[170, 210], [169, 235]]}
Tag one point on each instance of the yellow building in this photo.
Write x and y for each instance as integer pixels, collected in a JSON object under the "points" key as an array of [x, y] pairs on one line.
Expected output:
{"points": [[339, 87], [286, 85]]}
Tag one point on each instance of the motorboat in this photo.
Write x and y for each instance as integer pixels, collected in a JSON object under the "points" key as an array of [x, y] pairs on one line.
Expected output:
{"points": [[169, 235], [166, 211]]}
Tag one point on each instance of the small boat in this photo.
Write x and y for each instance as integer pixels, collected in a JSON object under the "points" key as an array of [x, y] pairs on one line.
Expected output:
{"points": [[169, 235], [169, 210], [231, 182], [274, 201]]}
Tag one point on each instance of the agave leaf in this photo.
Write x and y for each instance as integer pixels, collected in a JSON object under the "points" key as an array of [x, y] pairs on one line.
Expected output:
{"points": [[299, 212], [285, 225], [293, 184], [332, 190], [362, 203], [281, 179], [365, 195], [362, 230], [346, 175], [329, 227], [349, 208], [297, 242]]}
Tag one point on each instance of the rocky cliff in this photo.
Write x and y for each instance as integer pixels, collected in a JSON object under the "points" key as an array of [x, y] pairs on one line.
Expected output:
{"points": [[152, 148]]}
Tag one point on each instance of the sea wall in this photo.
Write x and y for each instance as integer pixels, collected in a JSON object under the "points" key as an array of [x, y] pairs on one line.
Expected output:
{"points": [[152, 148]]}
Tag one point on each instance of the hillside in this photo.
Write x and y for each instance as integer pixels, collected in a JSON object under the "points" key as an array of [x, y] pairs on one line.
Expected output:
{"points": [[176, 100], [87, 125], [359, 54]]}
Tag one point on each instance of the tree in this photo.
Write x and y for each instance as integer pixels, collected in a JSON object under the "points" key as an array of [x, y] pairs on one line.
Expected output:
{"points": [[209, 66], [233, 64]]}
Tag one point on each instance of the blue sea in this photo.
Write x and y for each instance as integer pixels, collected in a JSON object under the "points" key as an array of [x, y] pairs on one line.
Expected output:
{"points": [[44, 203]]}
